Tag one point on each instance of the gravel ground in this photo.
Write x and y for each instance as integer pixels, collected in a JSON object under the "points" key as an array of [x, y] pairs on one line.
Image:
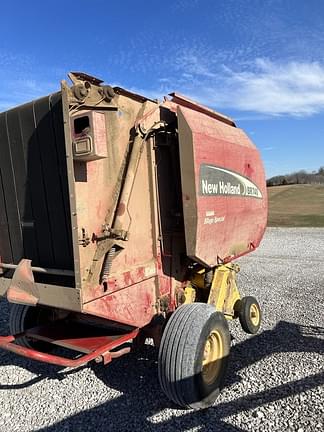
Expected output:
{"points": [[275, 380]]}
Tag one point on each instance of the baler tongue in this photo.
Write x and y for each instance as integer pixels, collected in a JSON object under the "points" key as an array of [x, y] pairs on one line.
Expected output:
{"points": [[96, 343]]}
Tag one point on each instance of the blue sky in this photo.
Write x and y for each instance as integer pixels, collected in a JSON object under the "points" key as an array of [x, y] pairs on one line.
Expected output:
{"points": [[258, 61]]}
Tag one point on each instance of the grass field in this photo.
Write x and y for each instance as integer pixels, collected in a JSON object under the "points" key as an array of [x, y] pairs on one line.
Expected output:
{"points": [[296, 206]]}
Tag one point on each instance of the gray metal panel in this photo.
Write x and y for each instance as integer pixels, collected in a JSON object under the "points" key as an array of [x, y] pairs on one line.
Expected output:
{"points": [[50, 295]]}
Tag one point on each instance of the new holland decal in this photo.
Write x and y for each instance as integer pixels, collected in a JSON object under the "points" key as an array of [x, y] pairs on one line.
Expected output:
{"points": [[221, 181]]}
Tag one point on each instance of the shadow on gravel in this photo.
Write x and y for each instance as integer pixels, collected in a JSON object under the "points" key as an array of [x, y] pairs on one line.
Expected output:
{"points": [[42, 370], [141, 404]]}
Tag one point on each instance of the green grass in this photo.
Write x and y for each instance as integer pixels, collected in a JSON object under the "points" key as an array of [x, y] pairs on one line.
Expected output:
{"points": [[296, 206]]}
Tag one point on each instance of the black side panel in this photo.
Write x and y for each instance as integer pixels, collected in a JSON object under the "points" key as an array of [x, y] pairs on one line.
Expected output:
{"points": [[34, 197], [5, 245]]}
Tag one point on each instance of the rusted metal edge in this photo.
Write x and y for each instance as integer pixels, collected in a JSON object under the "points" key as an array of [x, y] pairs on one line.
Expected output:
{"points": [[85, 77], [135, 96], [186, 102]]}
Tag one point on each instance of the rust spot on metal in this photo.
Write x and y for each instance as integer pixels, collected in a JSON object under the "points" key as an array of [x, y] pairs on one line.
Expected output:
{"points": [[186, 102], [248, 170], [121, 209]]}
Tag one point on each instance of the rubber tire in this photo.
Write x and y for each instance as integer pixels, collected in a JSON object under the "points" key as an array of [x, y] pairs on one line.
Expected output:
{"points": [[23, 317], [243, 309], [181, 353]]}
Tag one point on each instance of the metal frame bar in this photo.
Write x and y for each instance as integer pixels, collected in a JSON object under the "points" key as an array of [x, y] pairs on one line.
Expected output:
{"points": [[102, 353], [59, 272]]}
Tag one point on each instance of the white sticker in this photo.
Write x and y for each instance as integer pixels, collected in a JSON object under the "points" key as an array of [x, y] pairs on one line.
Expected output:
{"points": [[213, 220]]}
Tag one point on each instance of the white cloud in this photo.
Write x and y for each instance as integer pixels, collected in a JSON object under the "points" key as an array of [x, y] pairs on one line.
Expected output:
{"points": [[291, 88], [266, 87], [260, 86]]}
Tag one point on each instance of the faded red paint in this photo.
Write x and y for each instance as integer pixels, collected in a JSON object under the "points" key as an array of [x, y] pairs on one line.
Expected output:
{"points": [[134, 305], [164, 284], [92, 168], [118, 282], [128, 279], [22, 288], [17, 295], [159, 262], [140, 273], [6, 342], [249, 170], [240, 220]]}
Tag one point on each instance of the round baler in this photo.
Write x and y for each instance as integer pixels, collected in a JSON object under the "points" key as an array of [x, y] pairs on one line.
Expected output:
{"points": [[121, 217]]}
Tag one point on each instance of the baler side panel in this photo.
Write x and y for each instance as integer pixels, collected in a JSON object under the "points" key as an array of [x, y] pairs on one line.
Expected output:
{"points": [[35, 214], [95, 183], [96, 193], [11, 206], [221, 221], [133, 305], [140, 248]]}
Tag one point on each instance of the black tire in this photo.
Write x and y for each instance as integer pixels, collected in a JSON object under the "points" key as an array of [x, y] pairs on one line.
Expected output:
{"points": [[249, 314], [23, 317], [182, 375]]}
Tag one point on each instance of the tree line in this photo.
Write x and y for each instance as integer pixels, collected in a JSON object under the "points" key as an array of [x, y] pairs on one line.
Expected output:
{"points": [[298, 177]]}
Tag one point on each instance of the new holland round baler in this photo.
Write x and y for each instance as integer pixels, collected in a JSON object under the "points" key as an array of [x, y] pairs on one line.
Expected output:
{"points": [[120, 218]]}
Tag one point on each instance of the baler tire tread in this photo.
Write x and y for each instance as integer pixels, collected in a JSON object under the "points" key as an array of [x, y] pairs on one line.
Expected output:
{"points": [[17, 318], [20, 320], [178, 342], [182, 343], [165, 355]]}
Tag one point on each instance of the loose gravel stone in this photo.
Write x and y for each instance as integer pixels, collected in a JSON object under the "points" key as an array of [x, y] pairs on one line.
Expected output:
{"points": [[275, 378]]}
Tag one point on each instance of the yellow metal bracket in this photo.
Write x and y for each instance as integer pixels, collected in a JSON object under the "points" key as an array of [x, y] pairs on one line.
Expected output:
{"points": [[224, 292], [190, 294]]}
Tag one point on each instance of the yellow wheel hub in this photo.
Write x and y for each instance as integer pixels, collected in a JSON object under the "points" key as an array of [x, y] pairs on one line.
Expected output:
{"points": [[213, 353], [254, 314]]}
